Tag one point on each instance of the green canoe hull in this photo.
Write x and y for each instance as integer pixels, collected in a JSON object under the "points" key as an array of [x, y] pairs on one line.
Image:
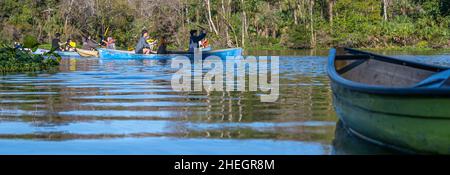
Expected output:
{"points": [[413, 124]]}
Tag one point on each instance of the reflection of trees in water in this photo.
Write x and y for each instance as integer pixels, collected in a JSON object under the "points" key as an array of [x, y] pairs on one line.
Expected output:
{"points": [[309, 98], [60, 96], [297, 133], [77, 64], [297, 103]]}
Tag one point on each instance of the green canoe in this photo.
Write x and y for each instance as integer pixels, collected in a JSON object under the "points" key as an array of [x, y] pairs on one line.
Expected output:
{"points": [[395, 103]]}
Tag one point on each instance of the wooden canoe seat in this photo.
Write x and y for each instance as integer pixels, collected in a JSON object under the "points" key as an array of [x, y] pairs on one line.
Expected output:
{"points": [[436, 80]]}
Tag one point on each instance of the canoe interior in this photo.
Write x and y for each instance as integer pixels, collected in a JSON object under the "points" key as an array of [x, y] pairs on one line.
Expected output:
{"points": [[366, 70]]}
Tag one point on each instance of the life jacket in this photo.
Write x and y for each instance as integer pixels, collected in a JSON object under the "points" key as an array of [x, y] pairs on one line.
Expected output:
{"points": [[73, 44], [204, 43], [150, 40]]}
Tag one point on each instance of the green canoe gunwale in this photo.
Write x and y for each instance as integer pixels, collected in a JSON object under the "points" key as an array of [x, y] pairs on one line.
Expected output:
{"points": [[395, 91]]}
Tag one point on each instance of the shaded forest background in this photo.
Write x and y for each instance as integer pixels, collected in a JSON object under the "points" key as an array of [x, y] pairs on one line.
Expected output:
{"points": [[263, 24]]}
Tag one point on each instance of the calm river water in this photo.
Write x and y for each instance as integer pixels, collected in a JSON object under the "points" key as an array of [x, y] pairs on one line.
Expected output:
{"points": [[97, 106]]}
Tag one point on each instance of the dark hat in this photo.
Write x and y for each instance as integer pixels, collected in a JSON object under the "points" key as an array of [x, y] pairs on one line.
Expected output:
{"points": [[143, 32], [193, 32]]}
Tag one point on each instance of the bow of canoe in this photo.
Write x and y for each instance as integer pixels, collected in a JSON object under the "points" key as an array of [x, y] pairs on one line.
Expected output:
{"points": [[395, 103]]}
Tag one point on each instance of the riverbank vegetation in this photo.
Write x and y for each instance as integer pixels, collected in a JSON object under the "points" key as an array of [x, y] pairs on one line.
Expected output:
{"points": [[236, 23], [17, 60]]}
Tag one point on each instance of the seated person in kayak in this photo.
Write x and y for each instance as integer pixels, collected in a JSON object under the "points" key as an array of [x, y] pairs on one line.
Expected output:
{"points": [[162, 48], [143, 47], [70, 45], [56, 43], [153, 43], [110, 43], [89, 44], [194, 39]]}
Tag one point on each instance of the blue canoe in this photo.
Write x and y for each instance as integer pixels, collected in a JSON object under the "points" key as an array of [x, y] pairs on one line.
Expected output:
{"points": [[118, 54]]}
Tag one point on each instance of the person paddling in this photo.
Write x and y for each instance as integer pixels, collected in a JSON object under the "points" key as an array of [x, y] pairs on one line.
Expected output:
{"points": [[142, 47], [89, 44], [70, 45], [110, 43], [56, 43], [193, 42], [162, 49]]}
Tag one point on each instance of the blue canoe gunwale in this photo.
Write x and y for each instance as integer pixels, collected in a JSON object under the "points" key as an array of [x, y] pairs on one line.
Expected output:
{"points": [[120, 54], [342, 82]]}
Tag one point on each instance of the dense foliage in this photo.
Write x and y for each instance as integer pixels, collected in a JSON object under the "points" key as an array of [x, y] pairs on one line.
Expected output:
{"points": [[248, 23], [16, 60]]}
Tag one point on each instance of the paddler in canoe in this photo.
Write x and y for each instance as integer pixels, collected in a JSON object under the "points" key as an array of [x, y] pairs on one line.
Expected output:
{"points": [[110, 43], [89, 44], [143, 47], [89, 48], [162, 48], [70, 45], [56, 43], [195, 39]]}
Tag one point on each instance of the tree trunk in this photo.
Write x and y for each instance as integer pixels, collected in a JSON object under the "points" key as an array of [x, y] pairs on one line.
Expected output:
{"points": [[225, 17], [187, 15], [330, 11], [227, 35], [39, 32], [67, 17], [295, 16], [210, 18], [245, 18], [311, 8], [218, 24], [385, 17], [231, 27], [197, 16], [300, 10], [244, 23]]}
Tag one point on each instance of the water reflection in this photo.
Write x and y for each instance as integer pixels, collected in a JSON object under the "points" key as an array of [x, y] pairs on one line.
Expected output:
{"points": [[121, 100], [346, 143]]}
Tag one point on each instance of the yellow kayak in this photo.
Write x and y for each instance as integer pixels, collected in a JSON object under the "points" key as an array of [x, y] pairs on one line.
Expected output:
{"points": [[87, 53]]}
